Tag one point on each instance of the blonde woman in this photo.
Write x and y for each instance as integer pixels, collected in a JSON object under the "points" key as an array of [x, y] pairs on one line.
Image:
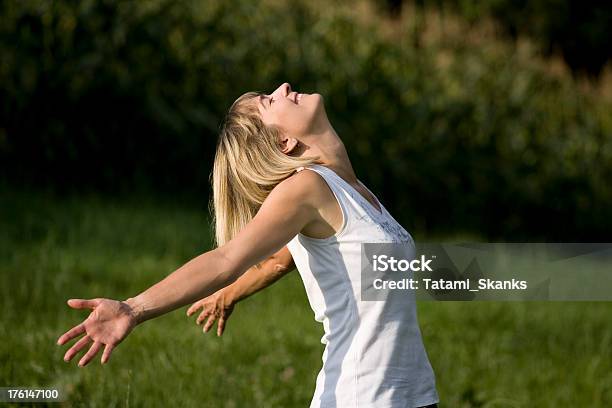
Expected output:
{"points": [[285, 194]]}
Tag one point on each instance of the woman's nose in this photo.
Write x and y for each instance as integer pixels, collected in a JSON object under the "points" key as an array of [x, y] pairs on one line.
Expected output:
{"points": [[285, 89]]}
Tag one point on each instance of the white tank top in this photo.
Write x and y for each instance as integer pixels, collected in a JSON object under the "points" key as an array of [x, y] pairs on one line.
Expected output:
{"points": [[374, 355]]}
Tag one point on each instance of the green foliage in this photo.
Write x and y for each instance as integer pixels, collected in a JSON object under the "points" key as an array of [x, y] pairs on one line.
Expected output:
{"points": [[453, 136], [580, 30], [485, 354]]}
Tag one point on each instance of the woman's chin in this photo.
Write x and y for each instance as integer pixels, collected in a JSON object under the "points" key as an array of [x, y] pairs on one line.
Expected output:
{"points": [[317, 101]]}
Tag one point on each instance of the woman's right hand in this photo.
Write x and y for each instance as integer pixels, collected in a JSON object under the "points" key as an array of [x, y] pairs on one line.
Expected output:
{"points": [[219, 305], [109, 322]]}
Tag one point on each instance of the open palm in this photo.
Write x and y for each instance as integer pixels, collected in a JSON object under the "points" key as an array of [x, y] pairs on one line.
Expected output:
{"points": [[106, 326]]}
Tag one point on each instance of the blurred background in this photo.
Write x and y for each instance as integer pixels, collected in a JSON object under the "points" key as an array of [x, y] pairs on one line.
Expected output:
{"points": [[489, 120]]}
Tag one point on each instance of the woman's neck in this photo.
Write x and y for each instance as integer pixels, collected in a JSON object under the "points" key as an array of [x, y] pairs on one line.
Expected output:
{"points": [[331, 152]]}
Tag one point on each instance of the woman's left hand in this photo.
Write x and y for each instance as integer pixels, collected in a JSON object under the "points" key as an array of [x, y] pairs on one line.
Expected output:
{"points": [[216, 306]]}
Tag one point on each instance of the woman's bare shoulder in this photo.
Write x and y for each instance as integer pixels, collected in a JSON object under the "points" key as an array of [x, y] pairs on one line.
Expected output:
{"points": [[306, 185], [307, 190]]}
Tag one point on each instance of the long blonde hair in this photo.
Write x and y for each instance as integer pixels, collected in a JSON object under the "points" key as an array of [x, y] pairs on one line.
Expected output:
{"points": [[248, 164]]}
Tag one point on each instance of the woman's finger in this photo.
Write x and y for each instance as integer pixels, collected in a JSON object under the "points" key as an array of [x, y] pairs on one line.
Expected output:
{"points": [[91, 353], [193, 308], [77, 347], [221, 325], [83, 303], [205, 313], [70, 334], [108, 349], [209, 323]]}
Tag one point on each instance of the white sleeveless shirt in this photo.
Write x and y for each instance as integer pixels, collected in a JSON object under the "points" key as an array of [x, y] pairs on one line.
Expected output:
{"points": [[374, 355]]}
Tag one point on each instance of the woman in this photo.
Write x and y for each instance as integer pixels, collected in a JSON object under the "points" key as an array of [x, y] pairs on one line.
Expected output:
{"points": [[270, 213]]}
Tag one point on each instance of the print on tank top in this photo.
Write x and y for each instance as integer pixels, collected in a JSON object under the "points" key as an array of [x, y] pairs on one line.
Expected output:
{"points": [[383, 220]]}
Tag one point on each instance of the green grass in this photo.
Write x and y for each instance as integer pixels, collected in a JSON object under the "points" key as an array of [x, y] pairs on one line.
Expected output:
{"points": [[485, 354]]}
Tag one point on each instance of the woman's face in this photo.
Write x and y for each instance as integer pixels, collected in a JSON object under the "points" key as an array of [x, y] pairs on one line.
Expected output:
{"points": [[295, 114]]}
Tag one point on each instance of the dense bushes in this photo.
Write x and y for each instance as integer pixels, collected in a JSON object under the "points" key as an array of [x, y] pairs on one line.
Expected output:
{"points": [[452, 134], [579, 30]]}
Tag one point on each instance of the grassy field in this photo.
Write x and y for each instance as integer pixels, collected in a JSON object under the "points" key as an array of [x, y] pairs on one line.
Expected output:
{"points": [[484, 354]]}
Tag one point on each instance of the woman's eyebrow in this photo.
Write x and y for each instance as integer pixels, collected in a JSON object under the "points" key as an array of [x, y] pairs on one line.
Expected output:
{"points": [[260, 101]]}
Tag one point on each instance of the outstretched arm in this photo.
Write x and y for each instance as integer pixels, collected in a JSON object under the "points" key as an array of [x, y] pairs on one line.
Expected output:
{"points": [[276, 220], [111, 321], [220, 304]]}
